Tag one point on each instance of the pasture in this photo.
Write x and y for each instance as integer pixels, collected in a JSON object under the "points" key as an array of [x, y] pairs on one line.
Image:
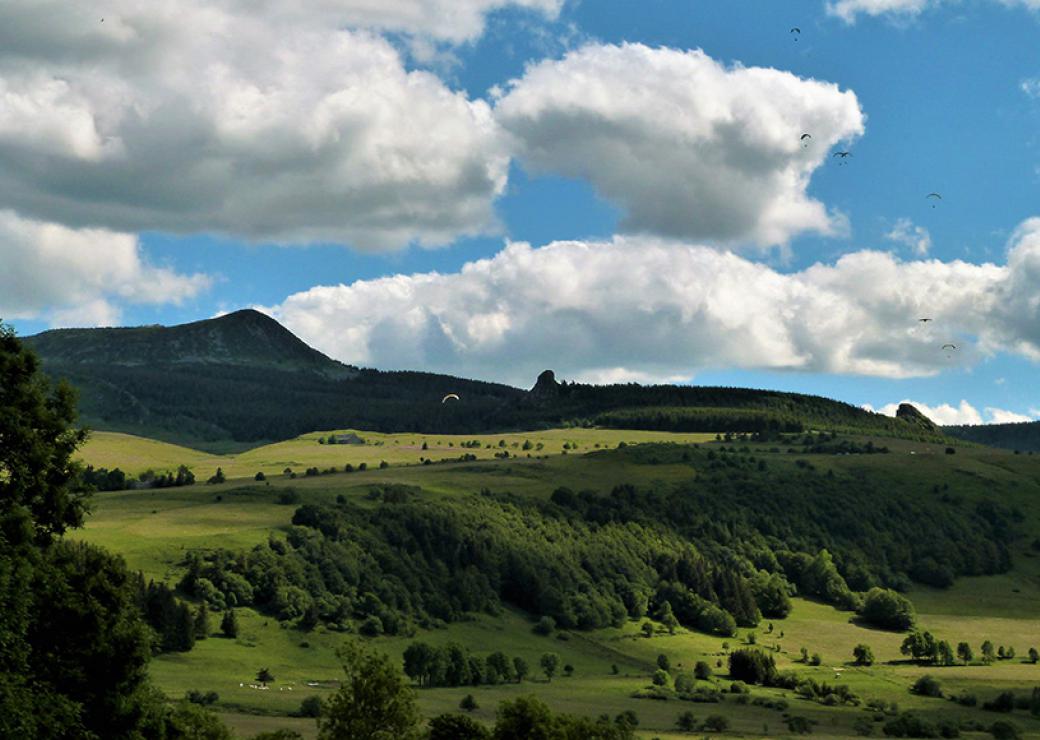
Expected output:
{"points": [[154, 529]]}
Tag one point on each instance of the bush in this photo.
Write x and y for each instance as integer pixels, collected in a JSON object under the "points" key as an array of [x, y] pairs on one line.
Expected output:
{"points": [[260, 477], [863, 655], [715, 723], [1003, 730], [468, 703], [310, 707], [1003, 702], [927, 686], [457, 727], [753, 666], [887, 609], [910, 725], [545, 626], [686, 722], [661, 678], [702, 671]]}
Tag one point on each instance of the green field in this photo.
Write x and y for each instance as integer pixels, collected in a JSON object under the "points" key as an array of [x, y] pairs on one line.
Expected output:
{"points": [[134, 455], [153, 529]]}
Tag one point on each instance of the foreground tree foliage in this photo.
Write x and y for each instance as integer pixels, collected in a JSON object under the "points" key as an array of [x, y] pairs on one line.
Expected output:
{"points": [[73, 644], [373, 702]]}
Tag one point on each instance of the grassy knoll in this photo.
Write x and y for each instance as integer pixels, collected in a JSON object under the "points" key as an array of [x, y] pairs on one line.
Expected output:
{"points": [[154, 529]]}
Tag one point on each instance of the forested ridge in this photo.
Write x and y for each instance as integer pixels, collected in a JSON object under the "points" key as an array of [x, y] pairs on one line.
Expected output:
{"points": [[245, 378], [1021, 436], [726, 547]]}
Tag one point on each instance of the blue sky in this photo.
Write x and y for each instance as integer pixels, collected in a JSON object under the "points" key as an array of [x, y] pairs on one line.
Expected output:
{"points": [[943, 99]]}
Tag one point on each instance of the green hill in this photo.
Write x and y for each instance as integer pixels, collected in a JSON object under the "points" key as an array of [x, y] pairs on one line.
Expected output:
{"points": [[766, 545], [242, 379]]}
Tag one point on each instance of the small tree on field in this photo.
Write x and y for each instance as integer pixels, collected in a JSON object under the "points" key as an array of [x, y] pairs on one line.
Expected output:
{"points": [[702, 671], [468, 703], [648, 629], [988, 652], [229, 624], [202, 623], [264, 676], [964, 652], [549, 663], [1034, 656], [687, 722], [863, 655], [663, 663], [520, 668]]}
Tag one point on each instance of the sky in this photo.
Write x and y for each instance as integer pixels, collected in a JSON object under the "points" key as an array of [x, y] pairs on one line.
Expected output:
{"points": [[618, 191]]}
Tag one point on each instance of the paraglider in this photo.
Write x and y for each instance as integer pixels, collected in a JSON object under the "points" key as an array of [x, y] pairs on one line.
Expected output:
{"points": [[933, 197], [843, 156], [796, 31], [805, 140], [450, 396], [924, 321], [949, 346]]}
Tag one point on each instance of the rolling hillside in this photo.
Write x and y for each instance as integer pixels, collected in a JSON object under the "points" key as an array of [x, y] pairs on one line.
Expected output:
{"points": [[242, 379]]}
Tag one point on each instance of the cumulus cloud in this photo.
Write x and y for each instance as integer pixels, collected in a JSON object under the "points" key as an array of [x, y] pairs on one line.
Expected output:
{"points": [[268, 122], [915, 238], [73, 276], [688, 147], [655, 310], [1031, 87], [964, 413]]}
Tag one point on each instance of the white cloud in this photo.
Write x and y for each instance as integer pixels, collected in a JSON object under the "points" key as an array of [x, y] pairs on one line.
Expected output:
{"points": [[649, 309], [74, 277], [849, 10], [916, 238], [688, 147], [964, 413], [1003, 416], [1031, 87], [264, 122]]}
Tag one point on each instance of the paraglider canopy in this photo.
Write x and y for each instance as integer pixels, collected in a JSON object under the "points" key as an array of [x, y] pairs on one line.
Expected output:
{"points": [[949, 346], [933, 197], [450, 396]]}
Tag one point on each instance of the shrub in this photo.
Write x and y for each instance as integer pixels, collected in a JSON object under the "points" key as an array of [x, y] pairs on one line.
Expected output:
{"points": [[310, 707], [927, 686], [702, 671], [863, 655], [468, 703], [1003, 702], [751, 665], [715, 723], [887, 609], [545, 626], [1003, 730], [661, 678], [686, 722]]}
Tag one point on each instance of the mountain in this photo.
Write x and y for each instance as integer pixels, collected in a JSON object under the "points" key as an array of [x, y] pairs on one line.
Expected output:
{"points": [[1023, 436], [244, 378], [243, 338]]}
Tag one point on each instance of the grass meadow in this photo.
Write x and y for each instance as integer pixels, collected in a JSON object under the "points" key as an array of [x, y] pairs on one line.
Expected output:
{"points": [[153, 529]]}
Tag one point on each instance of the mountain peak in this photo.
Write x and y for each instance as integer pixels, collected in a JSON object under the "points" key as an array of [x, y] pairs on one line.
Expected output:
{"points": [[244, 337]]}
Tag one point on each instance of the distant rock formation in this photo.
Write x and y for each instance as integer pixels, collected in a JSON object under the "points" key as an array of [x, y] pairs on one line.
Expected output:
{"points": [[545, 387], [909, 413]]}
